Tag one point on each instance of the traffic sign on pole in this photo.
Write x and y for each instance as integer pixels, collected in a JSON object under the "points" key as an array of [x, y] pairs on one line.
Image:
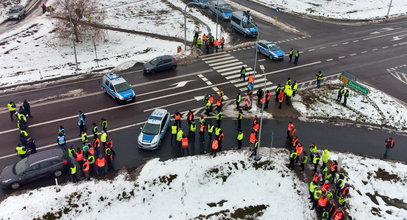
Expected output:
{"points": [[350, 81]]}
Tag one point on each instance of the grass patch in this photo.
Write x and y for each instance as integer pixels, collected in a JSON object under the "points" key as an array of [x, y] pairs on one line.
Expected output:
{"points": [[386, 176]]}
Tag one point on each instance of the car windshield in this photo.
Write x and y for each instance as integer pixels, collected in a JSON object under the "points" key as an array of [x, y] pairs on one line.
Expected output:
{"points": [[154, 61], [122, 87], [274, 47], [151, 129], [13, 11], [249, 25], [21, 166], [226, 9]]}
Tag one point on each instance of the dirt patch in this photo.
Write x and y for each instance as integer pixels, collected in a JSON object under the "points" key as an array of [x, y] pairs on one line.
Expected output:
{"points": [[386, 176], [220, 215], [249, 212]]}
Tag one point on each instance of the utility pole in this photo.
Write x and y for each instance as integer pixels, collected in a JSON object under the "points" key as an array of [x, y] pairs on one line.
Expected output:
{"points": [[388, 12], [73, 40], [262, 114]]}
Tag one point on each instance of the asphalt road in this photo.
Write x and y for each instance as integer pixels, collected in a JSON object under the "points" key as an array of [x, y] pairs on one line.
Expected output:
{"points": [[365, 51]]}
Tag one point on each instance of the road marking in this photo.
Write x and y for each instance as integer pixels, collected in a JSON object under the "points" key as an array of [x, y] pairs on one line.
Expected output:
{"points": [[384, 35], [181, 84], [334, 45], [341, 57], [355, 41], [174, 103], [218, 60], [385, 47], [322, 48], [236, 72], [345, 43], [215, 57], [230, 68], [352, 54], [219, 66], [223, 62], [213, 54], [365, 51], [311, 50], [261, 60], [328, 60], [376, 32], [374, 49]]}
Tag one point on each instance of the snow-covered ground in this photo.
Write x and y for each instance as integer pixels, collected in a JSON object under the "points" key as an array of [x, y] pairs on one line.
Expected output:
{"points": [[228, 186], [376, 109], [341, 9], [33, 53]]}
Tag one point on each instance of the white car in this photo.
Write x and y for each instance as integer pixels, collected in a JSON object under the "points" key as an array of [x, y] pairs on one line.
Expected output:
{"points": [[154, 130]]}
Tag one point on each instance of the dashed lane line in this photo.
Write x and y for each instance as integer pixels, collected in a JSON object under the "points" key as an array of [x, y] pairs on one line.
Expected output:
{"points": [[328, 60], [341, 57]]}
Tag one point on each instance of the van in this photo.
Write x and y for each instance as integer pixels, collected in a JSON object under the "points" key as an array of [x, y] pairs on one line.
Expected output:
{"points": [[243, 23], [221, 9], [201, 3]]}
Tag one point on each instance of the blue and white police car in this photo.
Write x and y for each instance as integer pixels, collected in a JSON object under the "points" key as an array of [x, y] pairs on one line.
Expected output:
{"points": [[242, 22], [221, 9], [153, 131], [201, 3], [118, 88], [270, 49]]}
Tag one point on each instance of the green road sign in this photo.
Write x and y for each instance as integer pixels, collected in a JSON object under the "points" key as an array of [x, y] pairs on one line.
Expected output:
{"points": [[354, 84]]}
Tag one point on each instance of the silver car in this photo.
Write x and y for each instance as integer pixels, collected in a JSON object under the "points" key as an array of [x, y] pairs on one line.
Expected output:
{"points": [[16, 12]]}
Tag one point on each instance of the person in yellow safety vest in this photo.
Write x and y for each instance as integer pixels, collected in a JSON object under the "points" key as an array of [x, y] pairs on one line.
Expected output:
{"points": [[71, 151], [95, 130], [174, 130], [319, 77], [317, 195], [89, 18], [313, 150], [21, 116], [103, 138], [217, 132], [84, 137], [12, 109], [104, 124], [288, 93], [288, 82], [239, 119], [192, 128], [291, 52], [218, 118], [74, 176], [238, 100], [293, 158], [239, 139], [315, 161], [208, 107], [210, 131], [294, 87], [180, 133], [91, 159], [184, 146], [215, 146], [312, 186], [325, 158], [199, 43], [21, 151]]}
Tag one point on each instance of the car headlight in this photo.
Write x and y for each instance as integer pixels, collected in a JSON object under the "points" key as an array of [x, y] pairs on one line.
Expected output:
{"points": [[120, 97], [5, 181]]}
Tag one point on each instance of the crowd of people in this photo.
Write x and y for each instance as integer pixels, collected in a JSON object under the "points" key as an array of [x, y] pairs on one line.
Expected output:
{"points": [[208, 42], [327, 189]]}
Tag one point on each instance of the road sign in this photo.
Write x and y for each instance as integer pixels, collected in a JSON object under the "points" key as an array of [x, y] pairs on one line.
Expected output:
{"points": [[351, 83]]}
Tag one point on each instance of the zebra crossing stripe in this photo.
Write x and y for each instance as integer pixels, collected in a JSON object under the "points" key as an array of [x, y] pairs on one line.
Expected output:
{"points": [[230, 68], [235, 72], [237, 75], [223, 62], [221, 59], [211, 55], [216, 57], [227, 65]]}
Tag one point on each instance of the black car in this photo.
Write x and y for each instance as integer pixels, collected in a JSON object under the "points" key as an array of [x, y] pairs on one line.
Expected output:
{"points": [[160, 63], [39, 165]]}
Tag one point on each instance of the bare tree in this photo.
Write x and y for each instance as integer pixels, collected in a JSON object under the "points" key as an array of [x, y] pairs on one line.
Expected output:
{"points": [[77, 16]]}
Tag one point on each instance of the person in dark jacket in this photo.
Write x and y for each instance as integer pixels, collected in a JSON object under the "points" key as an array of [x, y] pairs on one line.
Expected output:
{"points": [[27, 108]]}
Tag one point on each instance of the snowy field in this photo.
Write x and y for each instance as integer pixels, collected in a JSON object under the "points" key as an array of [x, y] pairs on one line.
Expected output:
{"points": [[33, 53], [377, 109], [341, 9], [228, 186]]}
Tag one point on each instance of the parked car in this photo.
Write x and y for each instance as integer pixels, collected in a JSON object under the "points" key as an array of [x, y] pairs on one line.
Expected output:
{"points": [[154, 130], [220, 8], [160, 63], [118, 88], [16, 12], [242, 22], [43, 164], [270, 49], [202, 3]]}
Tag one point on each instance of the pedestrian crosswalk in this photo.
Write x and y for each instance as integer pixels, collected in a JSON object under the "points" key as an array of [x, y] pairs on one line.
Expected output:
{"points": [[229, 67]]}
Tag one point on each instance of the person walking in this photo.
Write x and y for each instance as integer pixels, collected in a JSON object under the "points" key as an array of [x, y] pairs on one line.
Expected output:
{"points": [[218, 118], [239, 119], [293, 158], [101, 164], [103, 138], [290, 127], [81, 122], [192, 129], [345, 97], [238, 100], [177, 117], [222, 42], [31, 145], [95, 131], [296, 57], [202, 128], [239, 139], [27, 108], [104, 124], [319, 77], [280, 99], [44, 8], [315, 161], [61, 141], [21, 151], [290, 54], [389, 144], [341, 91], [243, 73], [12, 109], [216, 44], [110, 155]]}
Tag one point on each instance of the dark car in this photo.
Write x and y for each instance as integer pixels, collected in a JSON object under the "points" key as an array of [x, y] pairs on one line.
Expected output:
{"points": [[160, 63], [39, 165], [16, 12]]}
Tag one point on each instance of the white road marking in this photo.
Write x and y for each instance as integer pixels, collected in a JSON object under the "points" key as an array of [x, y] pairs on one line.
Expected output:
{"points": [[181, 84], [236, 72], [334, 45], [222, 62], [238, 75], [385, 47], [383, 35], [374, 49], [230, 68], [352, 54], [211, 55], [216, 57], [261, 60], [220, 66], [365, 51], [220, 59], [345, 43], [328, 60], [322, 48], [311, 50], [341, 57], [171, 104], [292, 68], [355, 41]]}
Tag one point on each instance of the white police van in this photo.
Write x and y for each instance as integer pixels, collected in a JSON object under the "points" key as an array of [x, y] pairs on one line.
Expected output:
{"points": [[242, 22], [154, 130], [118, 88]]}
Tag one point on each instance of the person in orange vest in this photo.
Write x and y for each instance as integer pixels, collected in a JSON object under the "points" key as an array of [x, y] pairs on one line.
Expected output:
{"points": [[221, 138], [101, 163], [333, 169], [96, 146], [290, 127], [260, 95], [215, 146], [79, 155], [322, 201], [202, 128], [253, 138], [280, 99], [211, 100], [190, 117], [250, 79], [216, 44], [184, 146], [338, 214], [86, 168], [268, 97], [294, 142], [219, 104], [299, 148], [325, 186], [255, 123], [222, 42], [204, 38], [177, 117], [389, 144]]}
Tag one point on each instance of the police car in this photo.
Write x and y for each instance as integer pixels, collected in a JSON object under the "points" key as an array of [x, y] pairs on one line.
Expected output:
{"points": [[221, 9], [154, 130], [118, 88], [242, 22], [270, 49], [201, 3]]}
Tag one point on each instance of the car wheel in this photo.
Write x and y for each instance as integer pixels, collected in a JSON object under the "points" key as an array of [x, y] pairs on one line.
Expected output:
{"points": [[257, 50], [57, 173], [174, 67], [152, 71], [15, 185], [271, 57]]}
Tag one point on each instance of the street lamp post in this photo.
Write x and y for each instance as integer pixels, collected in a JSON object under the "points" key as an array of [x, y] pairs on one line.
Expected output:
{"points": [[262, 114], [255, 59], [388, 12], [73, 40], [217, 20]]}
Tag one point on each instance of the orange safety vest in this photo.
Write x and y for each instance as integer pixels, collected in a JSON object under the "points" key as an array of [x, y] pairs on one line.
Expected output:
{"points": [[281, 96], [253, 137], [333, 167], [316, 178], [293, 131], [290, 126], [109, 144], [202, 128], [263, 100], [322, 201], [215, 144], [85, 166], [184, 142], [190, 116], [101, 162], [220, 138], [177, 117], [96, 143], [91, 151], [338, 214], [268, 96], [250, 79], [295, 141], [210, 99], [256, 127], [216, 43], [222, 40], [204, 37], [299, 149], [79, 155], [325, 187], [218, 102]]}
